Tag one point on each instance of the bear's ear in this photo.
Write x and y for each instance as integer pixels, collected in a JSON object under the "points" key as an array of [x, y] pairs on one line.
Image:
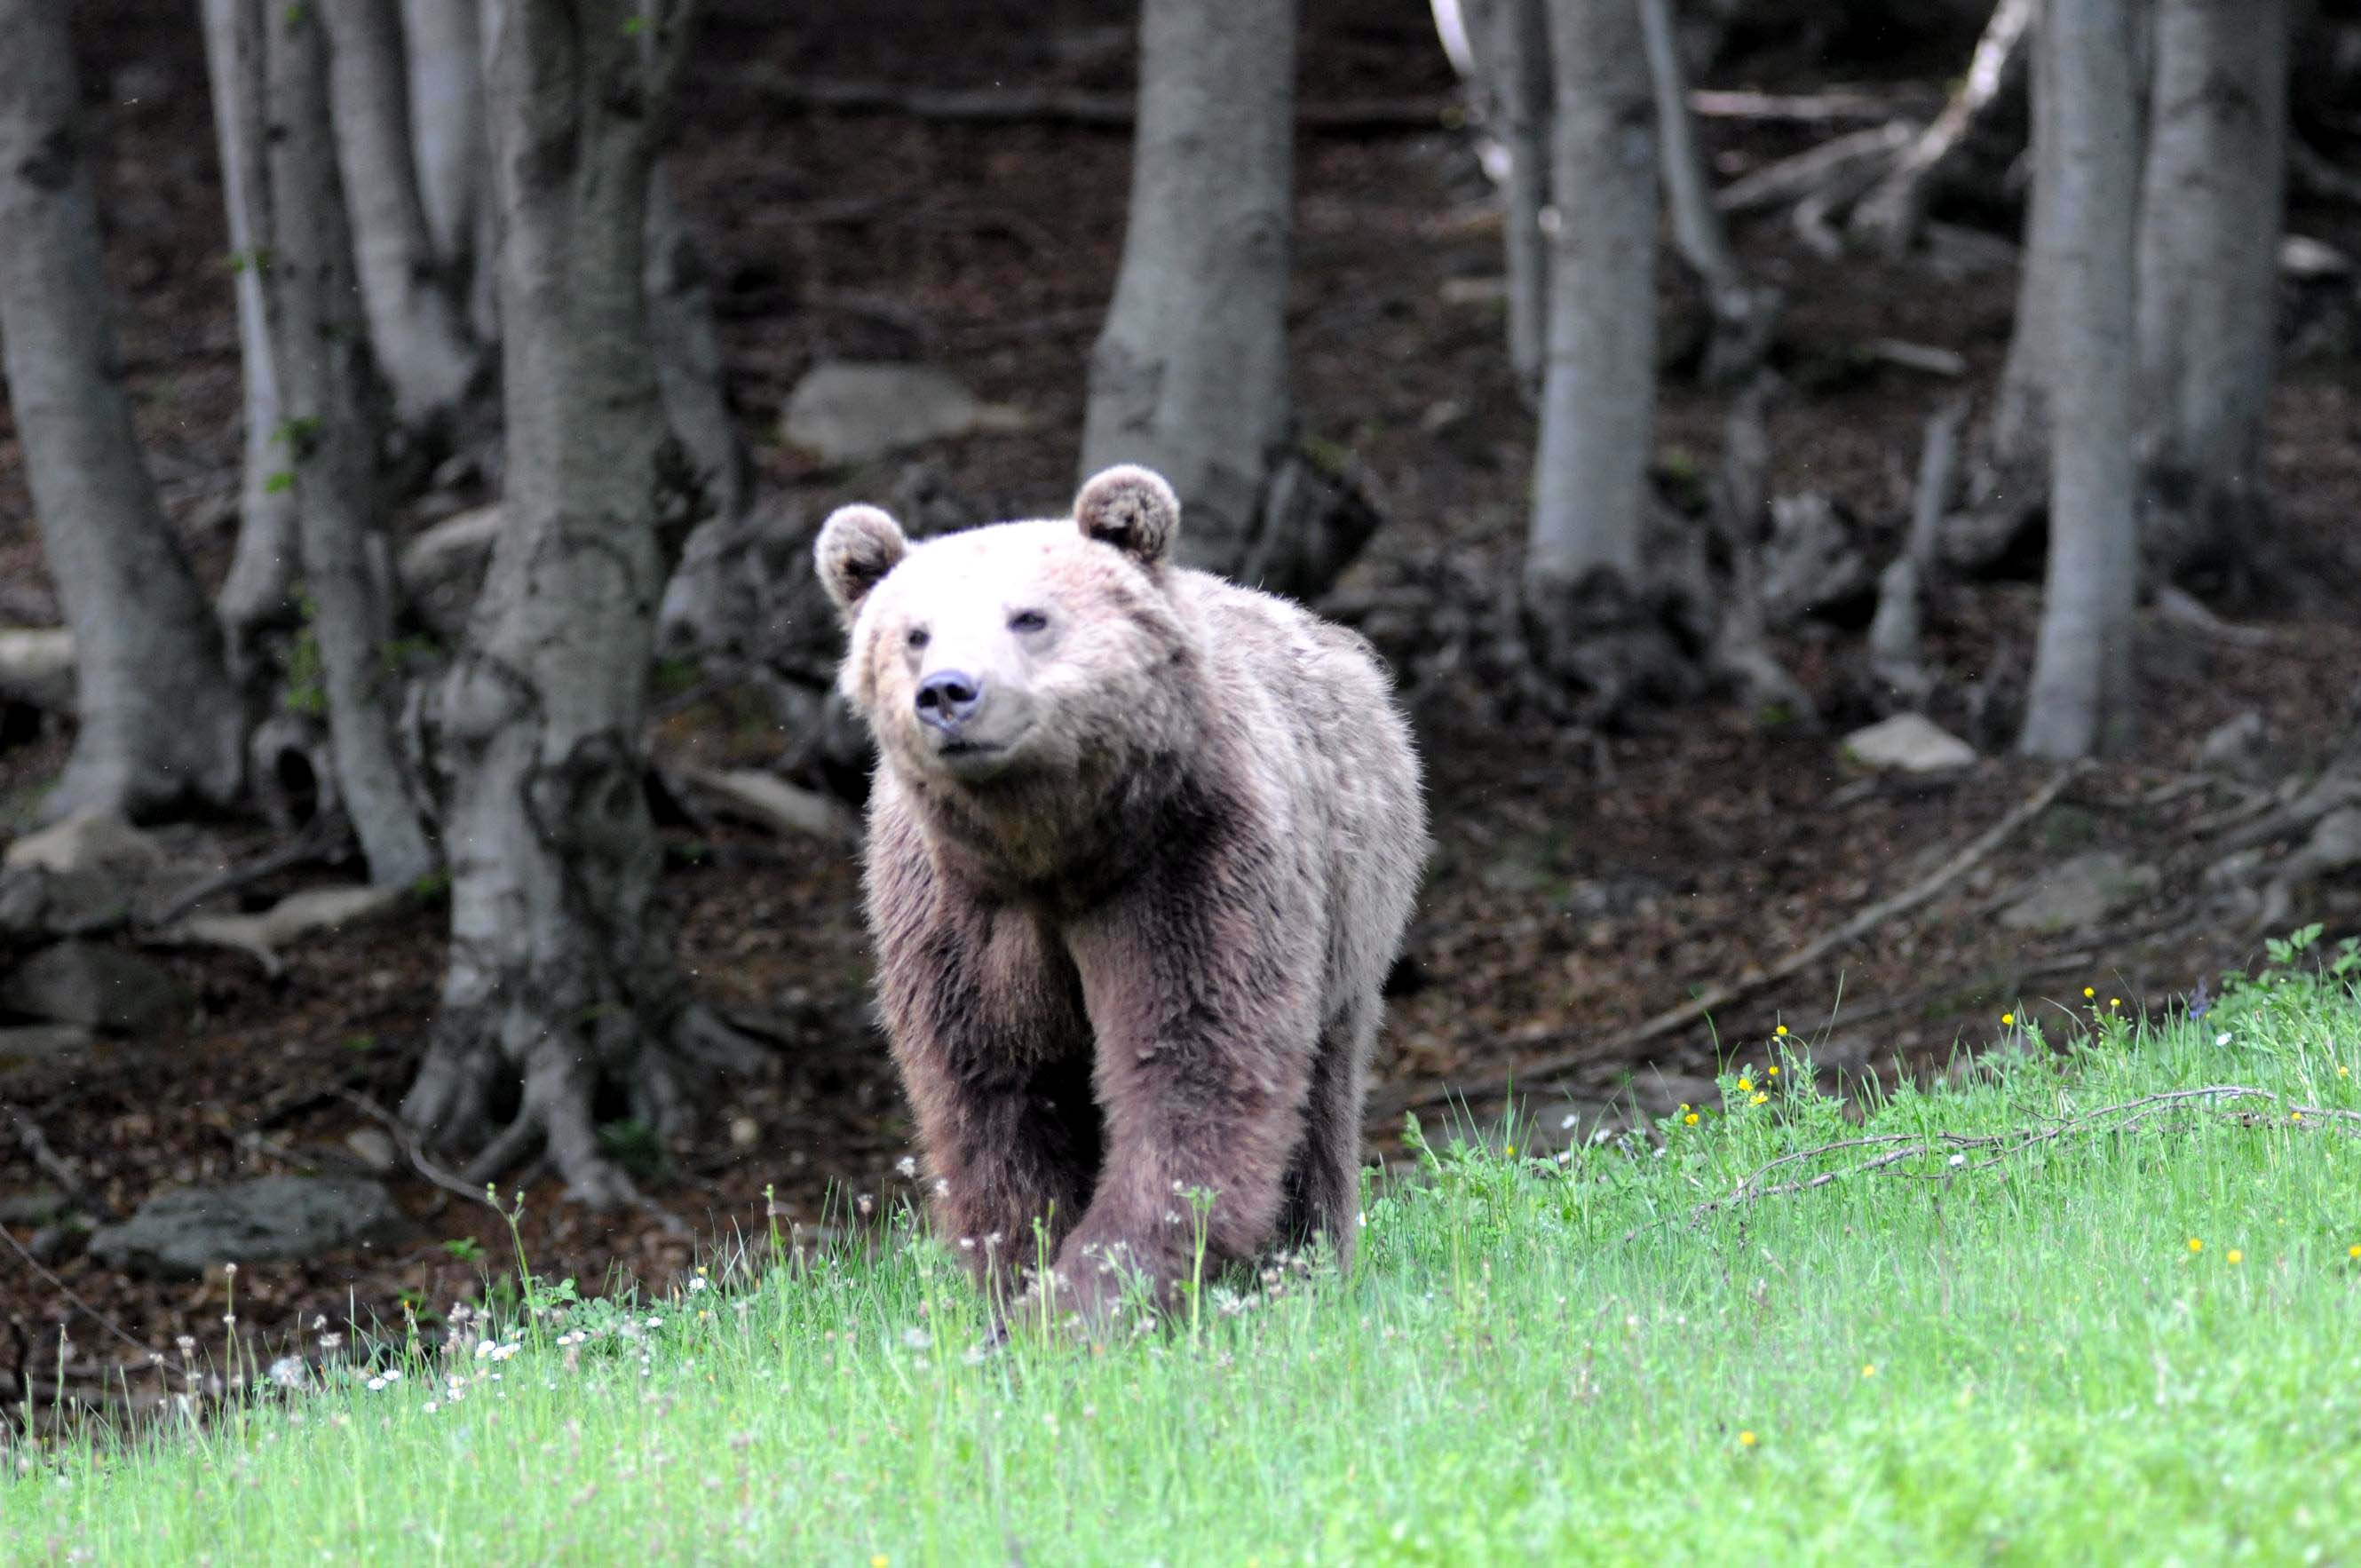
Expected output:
{"points": [[857, 546], [1131, 509]]}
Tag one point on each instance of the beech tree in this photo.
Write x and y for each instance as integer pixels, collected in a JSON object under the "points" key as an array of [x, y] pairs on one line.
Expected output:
{"points": [[335, 423], [422, 339], [2211, 216], [2082, 697], [263, 567], [1189, 375], [443, 49], [1583, 558], [561, 983], [160, 722]]}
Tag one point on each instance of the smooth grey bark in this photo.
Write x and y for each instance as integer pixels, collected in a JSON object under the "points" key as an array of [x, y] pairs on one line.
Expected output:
{"points": [[335, 416], [422, 344], [2209, 224], [1512, 47], [1894, 214], [1599, 398], [444, 49], [2081, 699], [2009, 473], [262, 569], [689, 357], [562, 982], [160, 722], [1189, 375], [1744, 314]]}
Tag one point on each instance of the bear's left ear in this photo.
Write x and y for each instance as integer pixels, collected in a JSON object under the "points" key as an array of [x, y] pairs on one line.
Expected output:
{"points": [[1131, 509], [857, 546]]}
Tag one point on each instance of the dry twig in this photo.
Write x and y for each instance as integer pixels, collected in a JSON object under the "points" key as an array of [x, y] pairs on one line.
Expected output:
{"points": [[1540, 1070]]}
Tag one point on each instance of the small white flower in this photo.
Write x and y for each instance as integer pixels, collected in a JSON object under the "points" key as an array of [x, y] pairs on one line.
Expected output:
{"points": [[2223, 1039], [375, 1384], [699, 1283], [655, 1321], [916, 1339], [1569, 1125], [906, 1166], [393, 1374], [1362, 1220], [1957, 1160], [432, 1407]]}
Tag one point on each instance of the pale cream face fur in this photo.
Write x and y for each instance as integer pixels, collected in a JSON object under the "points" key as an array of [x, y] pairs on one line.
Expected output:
{"points": [[1066, 640]]}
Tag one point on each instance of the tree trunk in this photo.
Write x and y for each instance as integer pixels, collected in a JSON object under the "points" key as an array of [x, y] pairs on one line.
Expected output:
{"points": [[2016, 456], [444, 50], [160, 722], [689, 359], [2081, 696], [1514, 49], [1189, 376], [562, 991], [335, 426], [262, 571], [1744, 316], [1895, 214], [421, 342], [2210, 225], [1583, 560]]}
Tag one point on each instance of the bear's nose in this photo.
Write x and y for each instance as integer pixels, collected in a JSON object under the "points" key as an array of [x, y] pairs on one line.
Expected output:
{"points": [[948, 699]]}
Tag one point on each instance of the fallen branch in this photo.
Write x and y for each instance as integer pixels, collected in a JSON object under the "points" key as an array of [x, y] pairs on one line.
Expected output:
{"points": [[314, 843], [1058, 105], [1967, 859], [35, 1144], [1836, 162], [152, 1357]]}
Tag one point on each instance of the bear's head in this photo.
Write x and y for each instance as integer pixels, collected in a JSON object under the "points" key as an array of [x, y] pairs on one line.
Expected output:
{"points": [[1022, 652]]}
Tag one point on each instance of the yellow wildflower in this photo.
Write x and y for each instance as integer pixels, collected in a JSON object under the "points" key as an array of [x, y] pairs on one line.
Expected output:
{"points": [[2115, 1001], [1746, 1440], [2196, 1246], [1746, 1086], [1869, 1369], [1771, 1072], [2353, 1250], [1782, 1032], [2009, 1020], [1512, 1151], [2089, 994], [1690, 1119], [2233, 1255], [1758, 1100]]}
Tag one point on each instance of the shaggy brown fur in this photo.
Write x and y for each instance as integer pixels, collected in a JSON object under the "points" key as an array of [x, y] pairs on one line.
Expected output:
{"points": [[1141, 851]]}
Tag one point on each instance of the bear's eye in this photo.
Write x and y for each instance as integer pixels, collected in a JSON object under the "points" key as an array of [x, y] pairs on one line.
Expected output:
{"points": [[916, 637], [1028, 620]]}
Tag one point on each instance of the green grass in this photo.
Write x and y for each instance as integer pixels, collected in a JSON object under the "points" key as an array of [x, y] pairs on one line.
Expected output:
{"points": [[2019, 1358]]}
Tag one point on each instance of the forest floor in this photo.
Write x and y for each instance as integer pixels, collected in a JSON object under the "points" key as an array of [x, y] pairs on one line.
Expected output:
{"points": [[1580, 884]]}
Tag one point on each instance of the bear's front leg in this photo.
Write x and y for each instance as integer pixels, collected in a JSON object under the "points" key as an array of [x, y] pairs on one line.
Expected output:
{"points": [[1204, 1005]]}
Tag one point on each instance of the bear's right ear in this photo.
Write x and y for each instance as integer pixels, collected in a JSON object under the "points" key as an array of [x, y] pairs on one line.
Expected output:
{"points": [[1132, 509], [857, 546]]}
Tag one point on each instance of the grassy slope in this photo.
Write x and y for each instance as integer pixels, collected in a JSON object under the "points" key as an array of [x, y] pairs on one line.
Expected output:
{"points": [[2025, 1361]]}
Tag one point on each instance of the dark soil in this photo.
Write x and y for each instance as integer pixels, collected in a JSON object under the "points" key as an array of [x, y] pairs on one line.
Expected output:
{"points": [[1579, 884]]}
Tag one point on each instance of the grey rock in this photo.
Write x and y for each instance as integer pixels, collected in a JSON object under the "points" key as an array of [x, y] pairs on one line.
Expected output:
{"points": [[44, 1042], [94, 986], [372, 1146], [1908, 743], [1812, 563], [2239, 748], [38, 902], [2077, 894], [848, 412], [179, 1234], [39, 1207], [89, 842], [37, 665]]}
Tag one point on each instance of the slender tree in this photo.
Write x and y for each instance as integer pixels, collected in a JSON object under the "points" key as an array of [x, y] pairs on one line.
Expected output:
{"points": [[335, 427], [2081, 699], [422, 339], [2010, 472], [160, 723], [1583, 561], [444, 52], [2209, 224], [262, 569], [562, 982], [1512, 54], [1190, 373]]}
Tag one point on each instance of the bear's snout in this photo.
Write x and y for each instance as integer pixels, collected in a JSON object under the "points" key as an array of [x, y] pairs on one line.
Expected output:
{"points": [[949, 698]]}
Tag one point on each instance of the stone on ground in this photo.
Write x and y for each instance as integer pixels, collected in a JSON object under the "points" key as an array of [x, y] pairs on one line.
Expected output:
{"points": [[93, 986], [179, 1234], [1908, 743], [2077, 893], [850, 411]]}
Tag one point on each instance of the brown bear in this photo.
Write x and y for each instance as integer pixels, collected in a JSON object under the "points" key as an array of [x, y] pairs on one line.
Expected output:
{"points": [[1141, 850]]}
